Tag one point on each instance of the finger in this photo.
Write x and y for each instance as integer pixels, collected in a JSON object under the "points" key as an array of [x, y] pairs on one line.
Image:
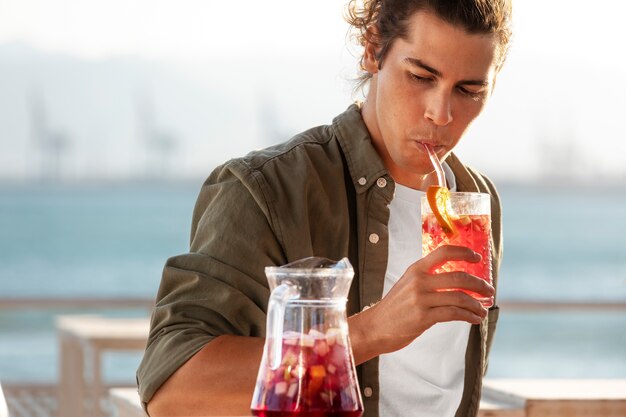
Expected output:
{"points": [[457, 299], [447, 253], [452, 313], [461, 280]]}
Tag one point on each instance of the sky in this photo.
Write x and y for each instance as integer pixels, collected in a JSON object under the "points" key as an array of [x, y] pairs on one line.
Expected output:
{"points": [[558, 100], [189, 29], [179, 30]]}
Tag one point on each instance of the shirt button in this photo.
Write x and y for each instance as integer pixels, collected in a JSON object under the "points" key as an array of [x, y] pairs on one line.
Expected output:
{"points": [[367, 391], [374, 238], [381, 182], [362, 181]]}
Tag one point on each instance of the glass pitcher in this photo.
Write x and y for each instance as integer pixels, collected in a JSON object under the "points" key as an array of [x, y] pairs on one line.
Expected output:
{"points": [[307, 367]]}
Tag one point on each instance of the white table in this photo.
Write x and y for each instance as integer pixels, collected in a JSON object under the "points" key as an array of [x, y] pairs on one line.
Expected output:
{"points": [[82, 340], [501, 398], [126, 402], [562, 397]]}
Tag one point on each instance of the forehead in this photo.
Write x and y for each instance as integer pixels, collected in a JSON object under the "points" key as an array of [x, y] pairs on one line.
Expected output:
{"points": [[449, 48]]}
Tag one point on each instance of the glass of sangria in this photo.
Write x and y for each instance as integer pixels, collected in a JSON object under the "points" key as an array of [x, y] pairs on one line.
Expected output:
{"points": [[469, 217]]}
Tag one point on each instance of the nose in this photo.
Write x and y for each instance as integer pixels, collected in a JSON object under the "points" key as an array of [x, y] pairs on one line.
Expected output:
{"points": [[439, 109]]}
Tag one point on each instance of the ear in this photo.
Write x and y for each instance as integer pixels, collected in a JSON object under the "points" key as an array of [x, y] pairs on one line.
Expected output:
{"points": [[370, 62]]}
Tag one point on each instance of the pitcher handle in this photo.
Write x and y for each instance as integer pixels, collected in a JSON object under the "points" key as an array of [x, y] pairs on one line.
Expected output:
{"points": [[275, 316]]}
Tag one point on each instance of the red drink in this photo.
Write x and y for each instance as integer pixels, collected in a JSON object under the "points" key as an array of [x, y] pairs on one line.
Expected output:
{"points": [[315, 379], [261, 413], [472, 231]]}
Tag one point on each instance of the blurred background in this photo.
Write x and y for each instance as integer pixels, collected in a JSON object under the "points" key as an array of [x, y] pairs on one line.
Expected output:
{"points": [[112, 114]]}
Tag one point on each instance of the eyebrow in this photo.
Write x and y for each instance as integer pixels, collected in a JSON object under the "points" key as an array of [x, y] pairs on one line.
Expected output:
{"points": [[419, 63]]}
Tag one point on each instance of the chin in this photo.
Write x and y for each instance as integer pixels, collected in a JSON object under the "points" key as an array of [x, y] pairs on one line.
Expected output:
{"points": [[418, 169]]}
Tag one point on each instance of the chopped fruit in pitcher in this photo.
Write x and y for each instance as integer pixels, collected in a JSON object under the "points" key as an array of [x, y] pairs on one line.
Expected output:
{"points": [[316, 334], [334, 335], [307, 340], [288, 370], [280, 388], [293, 388], [314, 379], [321, 348], [317, 373]]}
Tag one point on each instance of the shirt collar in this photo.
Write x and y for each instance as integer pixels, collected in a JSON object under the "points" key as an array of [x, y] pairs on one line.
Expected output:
{"points": [[464, 180], [364, 163]]}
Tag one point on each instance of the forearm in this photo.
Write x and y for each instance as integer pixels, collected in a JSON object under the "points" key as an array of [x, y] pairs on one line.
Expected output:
{"points": [[218, 380], [362, 349], [366, 340]]}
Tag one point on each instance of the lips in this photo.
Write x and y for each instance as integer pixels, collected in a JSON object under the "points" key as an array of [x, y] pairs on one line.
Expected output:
{"points": [[438, 148]]}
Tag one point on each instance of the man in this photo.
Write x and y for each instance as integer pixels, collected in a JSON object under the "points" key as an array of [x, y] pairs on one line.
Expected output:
{"points": [[336, 191]]}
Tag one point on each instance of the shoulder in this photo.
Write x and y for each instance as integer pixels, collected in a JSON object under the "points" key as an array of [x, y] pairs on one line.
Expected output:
{"points": [[311, 156], [485, 184], [313, 144], [469, 178], [310, 160]]}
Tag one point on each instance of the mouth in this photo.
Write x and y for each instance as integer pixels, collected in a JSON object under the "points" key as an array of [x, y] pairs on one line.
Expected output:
{"points": [[436, 147]]}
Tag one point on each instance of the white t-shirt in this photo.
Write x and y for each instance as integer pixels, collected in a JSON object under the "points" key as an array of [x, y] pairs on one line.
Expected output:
{"points": [[425, 378], [4, 410]]}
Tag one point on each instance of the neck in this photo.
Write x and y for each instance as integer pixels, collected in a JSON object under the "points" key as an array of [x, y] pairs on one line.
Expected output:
{"points": [[421, 182]]}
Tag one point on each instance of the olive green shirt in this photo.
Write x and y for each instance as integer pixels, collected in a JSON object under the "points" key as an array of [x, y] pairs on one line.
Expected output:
{"points": [[319, 194]]}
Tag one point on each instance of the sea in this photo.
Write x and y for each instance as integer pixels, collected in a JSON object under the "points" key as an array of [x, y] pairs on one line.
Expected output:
{"points": [[562, 244]]}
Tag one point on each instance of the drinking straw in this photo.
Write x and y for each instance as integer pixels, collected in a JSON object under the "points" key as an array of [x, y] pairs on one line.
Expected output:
{"points": [[441, 178]]}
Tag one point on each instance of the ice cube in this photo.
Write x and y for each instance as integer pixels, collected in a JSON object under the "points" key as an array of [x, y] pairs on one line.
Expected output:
{"points": [[298, 371], [307, 341], [293, 388], [280, 388], [465, 220], [316, 334], [321, 348], [289, 358], [336, 334], [291, 338]]}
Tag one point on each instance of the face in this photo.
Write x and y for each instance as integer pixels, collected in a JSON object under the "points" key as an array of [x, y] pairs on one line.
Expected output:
{"points": [[429, 89]]}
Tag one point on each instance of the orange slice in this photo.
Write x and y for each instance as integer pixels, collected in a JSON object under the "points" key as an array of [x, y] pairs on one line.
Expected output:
{"points": [[317, 374], [439, 201]]}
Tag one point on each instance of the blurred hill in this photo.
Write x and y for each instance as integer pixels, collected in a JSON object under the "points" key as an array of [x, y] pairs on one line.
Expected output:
{"points": [[125, 118], [108, 111], [131, 118]]}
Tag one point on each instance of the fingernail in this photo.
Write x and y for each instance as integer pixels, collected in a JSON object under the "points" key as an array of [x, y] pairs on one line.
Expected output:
{"points": [[477, 256]]}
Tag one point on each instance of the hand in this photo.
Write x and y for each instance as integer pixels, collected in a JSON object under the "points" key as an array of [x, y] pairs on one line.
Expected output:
{"points": [[421, 299]]}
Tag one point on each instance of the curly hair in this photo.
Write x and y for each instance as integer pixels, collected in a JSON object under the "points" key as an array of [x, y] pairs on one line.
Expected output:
{"points": [[380, 22]]}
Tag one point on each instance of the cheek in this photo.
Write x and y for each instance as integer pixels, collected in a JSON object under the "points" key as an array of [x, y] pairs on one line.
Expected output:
{"points": [[467, 112]]}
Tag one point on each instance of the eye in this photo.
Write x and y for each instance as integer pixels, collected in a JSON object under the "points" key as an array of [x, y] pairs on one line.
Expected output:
{"points": [[419, 78], [475, 95]]}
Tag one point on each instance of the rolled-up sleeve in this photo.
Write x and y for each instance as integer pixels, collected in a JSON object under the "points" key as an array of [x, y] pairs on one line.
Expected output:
{"points": [[219, 287]]}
